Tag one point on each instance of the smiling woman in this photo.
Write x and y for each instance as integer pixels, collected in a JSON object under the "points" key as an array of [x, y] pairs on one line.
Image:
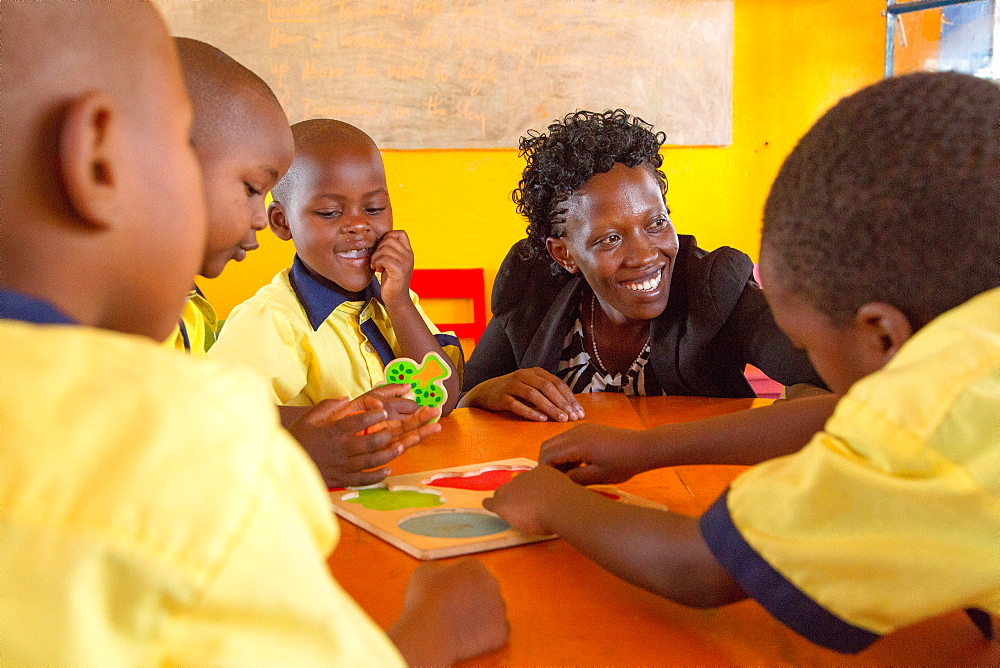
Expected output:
{"points": [[604, 295]]}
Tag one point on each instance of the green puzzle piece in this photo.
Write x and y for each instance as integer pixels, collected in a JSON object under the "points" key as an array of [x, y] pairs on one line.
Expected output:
{"points": [[425, 379]]}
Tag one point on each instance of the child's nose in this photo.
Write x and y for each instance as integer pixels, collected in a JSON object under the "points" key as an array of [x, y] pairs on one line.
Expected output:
{"points": [[355, 223], [259, 220]]}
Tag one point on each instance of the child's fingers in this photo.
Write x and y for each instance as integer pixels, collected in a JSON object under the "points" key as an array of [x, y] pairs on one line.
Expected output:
{"points": [[360, 478], [393, 254], [326, 411], [398, 238], [389, 391], [587, 475], [356, 422], [392, 264], [422, 416], [400, 409], [375, 458]]}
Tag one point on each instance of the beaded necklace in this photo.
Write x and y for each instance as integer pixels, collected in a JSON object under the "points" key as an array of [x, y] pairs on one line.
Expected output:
{"points": [[593, 339]]}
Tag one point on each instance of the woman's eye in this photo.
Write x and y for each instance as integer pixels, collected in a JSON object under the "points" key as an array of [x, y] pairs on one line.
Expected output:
{"points": [[660, 222], [611, 239], [251, 191]]}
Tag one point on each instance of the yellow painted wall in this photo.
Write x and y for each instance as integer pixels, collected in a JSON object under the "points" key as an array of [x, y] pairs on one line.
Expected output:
{"points": [[792, 60]]}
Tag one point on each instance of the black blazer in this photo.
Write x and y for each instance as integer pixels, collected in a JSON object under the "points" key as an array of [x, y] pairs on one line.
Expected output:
{"points": [[715, 323]]}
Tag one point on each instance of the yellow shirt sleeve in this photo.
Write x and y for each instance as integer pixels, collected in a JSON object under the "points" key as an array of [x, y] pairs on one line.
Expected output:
{"points": [[272, 600], [891, 515], [259, 335], [200, 326], [164, 518]]}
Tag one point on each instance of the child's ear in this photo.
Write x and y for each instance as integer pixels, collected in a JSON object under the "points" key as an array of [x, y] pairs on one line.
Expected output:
{"points": [[884, 329], [89, 152], [277, 221], [558, 252]]}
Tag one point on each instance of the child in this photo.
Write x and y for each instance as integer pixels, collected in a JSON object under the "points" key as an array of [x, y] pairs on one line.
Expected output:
{"points": [[152, 511], [244, 145], [881, 256], [326, 327]]}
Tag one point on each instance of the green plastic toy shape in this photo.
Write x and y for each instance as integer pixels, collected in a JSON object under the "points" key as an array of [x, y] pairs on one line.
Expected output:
{"points": [[426, 380]]}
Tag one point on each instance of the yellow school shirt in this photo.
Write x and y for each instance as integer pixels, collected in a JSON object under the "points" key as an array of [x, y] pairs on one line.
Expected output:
{"points": [[196, 331], [152, 512], [311, 344], [891, 514]]}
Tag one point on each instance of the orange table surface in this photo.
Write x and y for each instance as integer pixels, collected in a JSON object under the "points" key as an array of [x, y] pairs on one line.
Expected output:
{"points": [[565, 610]]}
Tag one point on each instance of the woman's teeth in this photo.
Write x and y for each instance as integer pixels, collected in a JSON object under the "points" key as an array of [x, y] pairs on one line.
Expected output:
{"points": [[648, 284]]}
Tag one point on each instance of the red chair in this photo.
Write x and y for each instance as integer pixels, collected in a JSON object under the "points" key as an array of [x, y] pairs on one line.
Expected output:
{"points": [[455, 284]]}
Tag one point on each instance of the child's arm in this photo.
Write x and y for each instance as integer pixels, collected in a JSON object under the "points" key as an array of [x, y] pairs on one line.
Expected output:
{"points": [[452, 612], [599, 454], [393, 258], [659, 551]]}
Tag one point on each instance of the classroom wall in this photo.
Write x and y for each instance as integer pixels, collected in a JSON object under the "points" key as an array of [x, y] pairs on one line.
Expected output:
{"points": [[792, 60]]}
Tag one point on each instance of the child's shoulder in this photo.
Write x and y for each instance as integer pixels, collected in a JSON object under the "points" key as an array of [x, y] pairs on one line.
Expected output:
{"points": [[948, 353], [146, 418], [932, 409], [85, 365], [278, 296]]}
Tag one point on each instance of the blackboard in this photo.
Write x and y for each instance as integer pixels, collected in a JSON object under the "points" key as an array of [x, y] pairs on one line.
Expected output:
{"points": [[479, 73]]}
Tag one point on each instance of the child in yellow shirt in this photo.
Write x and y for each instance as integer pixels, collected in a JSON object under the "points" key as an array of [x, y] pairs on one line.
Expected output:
{"points": [[244, 145], [880, 257], [327, 327], [152, 510]]}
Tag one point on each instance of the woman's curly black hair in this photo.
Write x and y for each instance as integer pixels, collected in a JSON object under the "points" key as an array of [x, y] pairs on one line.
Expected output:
{"points": [[580, 145]]}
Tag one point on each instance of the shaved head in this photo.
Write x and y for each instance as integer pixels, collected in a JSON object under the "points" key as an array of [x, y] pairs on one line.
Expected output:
{"points": [[56, 51], [103, 214], [324, 139], [241, 136], [220, 88]]}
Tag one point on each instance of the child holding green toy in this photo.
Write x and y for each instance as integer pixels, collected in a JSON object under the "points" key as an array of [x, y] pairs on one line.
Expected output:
{"points": [[327, 327]]}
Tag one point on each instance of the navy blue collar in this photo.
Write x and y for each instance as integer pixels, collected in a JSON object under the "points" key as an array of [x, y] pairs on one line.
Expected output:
{"points": [[319, 296], [17, 306]]}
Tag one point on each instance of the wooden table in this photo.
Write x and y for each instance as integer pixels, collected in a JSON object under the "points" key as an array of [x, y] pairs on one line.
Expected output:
{"points": [[564, 610]]}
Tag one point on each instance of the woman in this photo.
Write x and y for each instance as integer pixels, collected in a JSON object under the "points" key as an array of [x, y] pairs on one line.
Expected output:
{"points": [[604, 295]]}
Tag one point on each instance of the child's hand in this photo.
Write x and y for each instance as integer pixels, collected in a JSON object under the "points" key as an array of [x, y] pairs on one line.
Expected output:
{"points": [[330, 433], [525, 500], [393, 258], [391, 396], [594, 454], [533, 394], [452, 612]]}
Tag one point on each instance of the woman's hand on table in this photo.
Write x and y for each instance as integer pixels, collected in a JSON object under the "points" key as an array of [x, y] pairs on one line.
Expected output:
{"points": [[347, 439], [525, 501], [451, 612], [533, 394], [592, 454]]}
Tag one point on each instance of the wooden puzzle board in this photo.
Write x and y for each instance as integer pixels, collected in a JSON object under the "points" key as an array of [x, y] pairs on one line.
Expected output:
{"points": [[428, 518]]}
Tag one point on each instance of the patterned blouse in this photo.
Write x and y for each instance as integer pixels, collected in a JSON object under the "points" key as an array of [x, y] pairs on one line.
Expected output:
{"points": [[581, 373]]}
